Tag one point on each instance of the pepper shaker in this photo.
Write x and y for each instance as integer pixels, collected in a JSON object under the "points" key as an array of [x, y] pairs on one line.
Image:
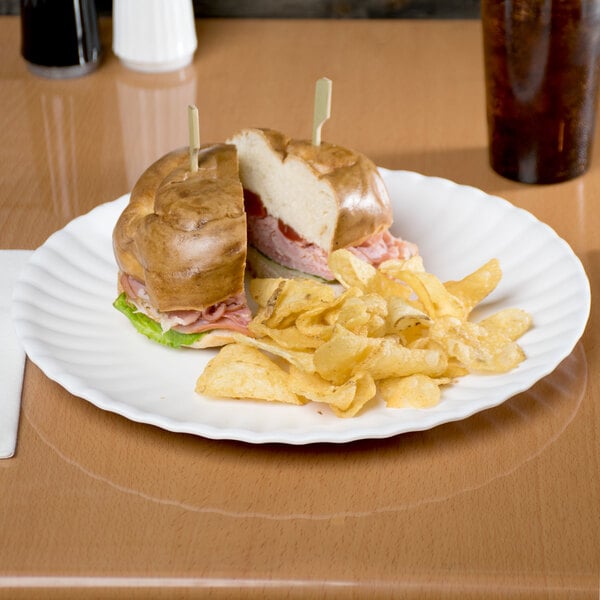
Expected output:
{"points": [[59, 38]]}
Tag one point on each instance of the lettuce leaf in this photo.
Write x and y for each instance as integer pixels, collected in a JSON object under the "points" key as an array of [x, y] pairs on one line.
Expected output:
{"points": [[151, 329]]}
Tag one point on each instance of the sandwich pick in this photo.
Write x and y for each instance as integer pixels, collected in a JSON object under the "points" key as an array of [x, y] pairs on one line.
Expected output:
{"points": [[322, 110]]}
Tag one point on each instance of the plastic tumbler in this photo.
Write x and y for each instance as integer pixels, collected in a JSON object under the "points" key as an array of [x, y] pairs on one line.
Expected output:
{"points": [[541, 64]]}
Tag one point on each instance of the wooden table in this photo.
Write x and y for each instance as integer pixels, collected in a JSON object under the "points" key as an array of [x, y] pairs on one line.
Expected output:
{"points": [[503, 504]]}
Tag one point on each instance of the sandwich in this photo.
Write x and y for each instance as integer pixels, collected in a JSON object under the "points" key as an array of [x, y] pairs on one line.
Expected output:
{"points": [[304, 201], [180, 245]]}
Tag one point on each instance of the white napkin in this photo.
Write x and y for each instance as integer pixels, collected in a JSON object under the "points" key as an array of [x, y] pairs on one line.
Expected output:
{"points": [[12, 356]]}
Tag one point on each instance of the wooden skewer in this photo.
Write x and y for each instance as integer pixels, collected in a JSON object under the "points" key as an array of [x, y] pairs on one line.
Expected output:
{"points": [[194, 136], [322, 108]]}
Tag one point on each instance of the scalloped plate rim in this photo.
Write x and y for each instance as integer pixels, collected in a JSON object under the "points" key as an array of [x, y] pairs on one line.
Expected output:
{"points": [[418, 420]]}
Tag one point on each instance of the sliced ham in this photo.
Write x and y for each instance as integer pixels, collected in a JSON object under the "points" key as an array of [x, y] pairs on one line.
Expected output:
{"points": [[285, 246], [266, 235], [232, 314], [384, 246], [233, 321]]}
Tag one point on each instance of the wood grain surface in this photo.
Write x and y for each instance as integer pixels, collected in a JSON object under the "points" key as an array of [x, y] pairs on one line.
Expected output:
{"points": [[500, 505]]}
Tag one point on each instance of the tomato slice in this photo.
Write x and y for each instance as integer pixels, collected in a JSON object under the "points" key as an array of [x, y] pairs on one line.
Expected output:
{"points": [[253, 205], [288, 231], [255, 208]]}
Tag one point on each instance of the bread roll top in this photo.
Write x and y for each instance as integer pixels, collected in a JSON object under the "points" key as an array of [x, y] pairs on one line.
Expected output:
{"points": [[183, 234], [332, 196]]}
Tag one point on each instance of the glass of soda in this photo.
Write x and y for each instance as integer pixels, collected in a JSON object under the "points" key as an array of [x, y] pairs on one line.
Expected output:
{"points": [[542, 65], [59, 38]]}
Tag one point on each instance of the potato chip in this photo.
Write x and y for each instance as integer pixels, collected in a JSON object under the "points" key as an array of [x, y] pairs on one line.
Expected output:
{"points": [[337, 359], [402, 314], [475, 347], [291, 297], [387, 287], [413, 391], [365, 315], [365, 390], [511, 322], [350, 270], [454, 370], [287, 337], [315, 328], [506, 359], [240, 371], [313, 387], [319, 322], [473, 288], [262, 289], [436, 300], [415, 336], [390, 359], [395, 265], [301, 359]]}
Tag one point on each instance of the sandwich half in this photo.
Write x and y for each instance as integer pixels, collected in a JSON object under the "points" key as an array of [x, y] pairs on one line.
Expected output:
{"points": [[303, 202], [180, 246]]}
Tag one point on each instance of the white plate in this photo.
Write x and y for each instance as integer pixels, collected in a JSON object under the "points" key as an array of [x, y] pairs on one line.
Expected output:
{"points": [[64, 316]]}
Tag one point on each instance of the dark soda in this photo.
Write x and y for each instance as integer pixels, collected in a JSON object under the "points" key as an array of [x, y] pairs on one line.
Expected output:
{"points": [[60, 37], [542, 66]]}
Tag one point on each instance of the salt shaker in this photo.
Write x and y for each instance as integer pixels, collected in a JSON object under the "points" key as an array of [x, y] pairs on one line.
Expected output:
{"points": [[154, 36]]}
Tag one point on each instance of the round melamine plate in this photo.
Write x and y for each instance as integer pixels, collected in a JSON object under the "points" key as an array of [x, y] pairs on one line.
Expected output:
{"points": [[64, 316]]}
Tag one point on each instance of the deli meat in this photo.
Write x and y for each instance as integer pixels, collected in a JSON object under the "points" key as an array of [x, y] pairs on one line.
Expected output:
{"points": [[267, 237], [232, 314], [281, 243], [384, 246]]}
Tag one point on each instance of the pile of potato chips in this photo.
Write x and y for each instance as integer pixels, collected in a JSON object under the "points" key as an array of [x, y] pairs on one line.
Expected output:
{"points": [[395, 332]]}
